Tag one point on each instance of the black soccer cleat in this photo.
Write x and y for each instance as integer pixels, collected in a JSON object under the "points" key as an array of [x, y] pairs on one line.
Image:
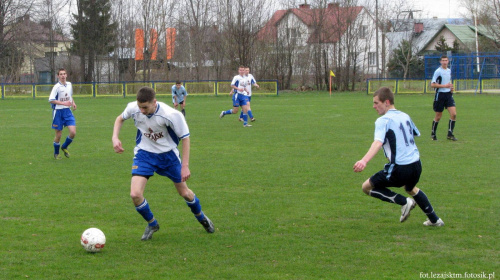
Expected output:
{"points": [[208, 225], [433, 137], [148, 233], [452, 138]]}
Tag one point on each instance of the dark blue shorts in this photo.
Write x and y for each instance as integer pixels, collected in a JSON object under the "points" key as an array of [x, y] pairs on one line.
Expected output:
{"points": [[165, 164], [62, 118], [443, 100], [397, 176]]}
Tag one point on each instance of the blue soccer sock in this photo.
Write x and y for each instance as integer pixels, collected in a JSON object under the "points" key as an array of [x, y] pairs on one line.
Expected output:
{"points": [[241, 115], [250, 114], [228, 112], [196, 208], [67, 142], [424, 204], [56, 148], [387, 195], [245, 119], [146, 213]]}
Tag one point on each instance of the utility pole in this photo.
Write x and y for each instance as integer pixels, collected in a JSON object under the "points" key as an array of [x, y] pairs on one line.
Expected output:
{"points": [[376, 37]]}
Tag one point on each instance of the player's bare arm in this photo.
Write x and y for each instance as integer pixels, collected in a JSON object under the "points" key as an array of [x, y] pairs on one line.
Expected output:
{"points": [[186, 145], [117, 144], [361, 164]]}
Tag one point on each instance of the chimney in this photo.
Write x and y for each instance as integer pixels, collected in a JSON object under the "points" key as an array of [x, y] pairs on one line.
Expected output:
{"points": [[334, 5], [418, 27], [304, 6]]}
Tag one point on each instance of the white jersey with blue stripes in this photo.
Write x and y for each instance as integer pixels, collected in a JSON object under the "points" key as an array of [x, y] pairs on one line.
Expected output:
{"points": [[159, 132], [61, 93], [249, 86], [442, 77], [395, 130], [241, 82]]}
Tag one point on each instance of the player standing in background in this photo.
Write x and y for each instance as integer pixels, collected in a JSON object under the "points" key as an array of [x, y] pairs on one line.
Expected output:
{"points": [[159, 130], [240, 98], [441, 81], [249, 90], [394, 132], [62, 101], [179, 95]]}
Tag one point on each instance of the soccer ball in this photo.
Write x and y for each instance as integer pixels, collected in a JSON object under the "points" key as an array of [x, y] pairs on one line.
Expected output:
{"points": [[93, 240]]}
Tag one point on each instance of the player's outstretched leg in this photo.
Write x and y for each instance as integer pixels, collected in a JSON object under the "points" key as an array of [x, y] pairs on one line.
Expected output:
{"points": [[195, 207]]}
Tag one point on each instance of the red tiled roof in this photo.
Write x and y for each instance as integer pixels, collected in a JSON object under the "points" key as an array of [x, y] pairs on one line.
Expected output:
{"points": [[333, 21]]}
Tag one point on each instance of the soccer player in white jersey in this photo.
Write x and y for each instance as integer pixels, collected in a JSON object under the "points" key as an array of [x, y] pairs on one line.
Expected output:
{"points": [[443, 98], [61, 98], [240, 98], [179, 96], [394, 132], [159, 130], [253, 82]]}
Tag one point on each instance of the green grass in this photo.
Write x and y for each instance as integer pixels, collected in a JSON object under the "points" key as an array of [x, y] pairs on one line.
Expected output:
{"points": [[282, 194]]}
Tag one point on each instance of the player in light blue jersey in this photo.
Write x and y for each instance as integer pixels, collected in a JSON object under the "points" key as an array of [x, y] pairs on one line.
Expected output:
{"points": [[394, 132], [240, 98], [61, 98], [443, 98], [253, 82], [160, 128], [179, 96]]}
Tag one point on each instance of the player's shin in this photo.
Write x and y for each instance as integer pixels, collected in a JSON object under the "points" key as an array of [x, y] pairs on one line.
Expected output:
{"points": [[195, 207], [146, 213], [424, 204]]}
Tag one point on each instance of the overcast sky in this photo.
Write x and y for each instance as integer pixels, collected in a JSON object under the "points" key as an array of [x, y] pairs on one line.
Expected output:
{"points": [[439, 8]]}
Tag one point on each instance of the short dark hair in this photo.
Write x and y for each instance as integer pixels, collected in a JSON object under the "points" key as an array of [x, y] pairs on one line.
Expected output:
{"points": [[146, 94], [178, 82], [444, 56], [385, 93], [60, 69]]}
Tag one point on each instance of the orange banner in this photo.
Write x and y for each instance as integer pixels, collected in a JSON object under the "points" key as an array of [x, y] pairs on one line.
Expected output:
{"points": [[153, 44], [139, 44], [170, 42]]}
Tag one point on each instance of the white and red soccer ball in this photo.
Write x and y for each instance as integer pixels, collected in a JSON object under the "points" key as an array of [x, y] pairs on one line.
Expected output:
{"points": [[93, 240]]}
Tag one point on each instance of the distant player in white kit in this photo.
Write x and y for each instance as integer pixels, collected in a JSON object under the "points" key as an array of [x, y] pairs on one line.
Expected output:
{"points": [[240, 98], [61, 98], [394, 132], [160, 129], [253, 82]]}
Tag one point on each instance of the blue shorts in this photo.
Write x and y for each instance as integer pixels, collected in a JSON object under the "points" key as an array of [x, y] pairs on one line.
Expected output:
{"points": [[235, 100], [397, 176], [165, 164], [62, 118], [241, 100]]}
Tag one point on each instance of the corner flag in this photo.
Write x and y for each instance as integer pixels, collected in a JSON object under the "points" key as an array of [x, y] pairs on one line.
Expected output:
{"points": [[331, 74]]}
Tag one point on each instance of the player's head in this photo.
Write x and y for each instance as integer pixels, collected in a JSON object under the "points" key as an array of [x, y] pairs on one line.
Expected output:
{"points": [[444, 61], [383, 100], [146, 100], [178, 84], [241, 70], [62, 75], [247, 70]]}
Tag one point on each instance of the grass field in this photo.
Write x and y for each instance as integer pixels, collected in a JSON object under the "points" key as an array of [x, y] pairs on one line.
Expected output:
{"points": [[282, 194]]}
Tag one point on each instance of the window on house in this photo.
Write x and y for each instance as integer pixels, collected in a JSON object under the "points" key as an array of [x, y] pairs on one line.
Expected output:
{"points": [[372, 59], [50, 54], [363, 32]]}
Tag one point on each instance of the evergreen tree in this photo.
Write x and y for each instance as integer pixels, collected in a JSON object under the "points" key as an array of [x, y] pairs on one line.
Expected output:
{"points": [[93, 33], [442, 46]]}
